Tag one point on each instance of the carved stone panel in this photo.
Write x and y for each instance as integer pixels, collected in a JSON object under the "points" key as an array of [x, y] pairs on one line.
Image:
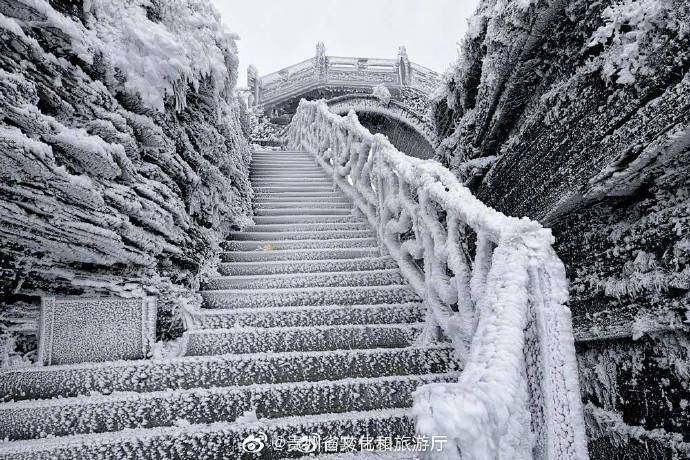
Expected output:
{"points": [[76, 330]]}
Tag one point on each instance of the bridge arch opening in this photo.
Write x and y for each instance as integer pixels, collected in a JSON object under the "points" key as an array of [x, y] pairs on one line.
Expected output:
{"points": [[406, 129], [401, 134]]}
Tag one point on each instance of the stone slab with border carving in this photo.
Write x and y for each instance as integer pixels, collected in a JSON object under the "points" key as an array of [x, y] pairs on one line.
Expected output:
{"points": [[79, 329]]}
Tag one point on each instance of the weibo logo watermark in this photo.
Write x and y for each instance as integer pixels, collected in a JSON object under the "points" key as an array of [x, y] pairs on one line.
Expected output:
{"points": [[254, 443]]}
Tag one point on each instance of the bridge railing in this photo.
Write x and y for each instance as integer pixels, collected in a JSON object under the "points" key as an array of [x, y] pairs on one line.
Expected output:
{"points": [[340, 70], [493, 286]]}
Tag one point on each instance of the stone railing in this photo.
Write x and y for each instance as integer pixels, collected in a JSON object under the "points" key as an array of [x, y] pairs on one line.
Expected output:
{"points": [[322, 70], [492, 284]]}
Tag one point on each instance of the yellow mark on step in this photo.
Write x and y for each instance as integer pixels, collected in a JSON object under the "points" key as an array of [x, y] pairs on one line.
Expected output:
{"points": [[267, 247]]}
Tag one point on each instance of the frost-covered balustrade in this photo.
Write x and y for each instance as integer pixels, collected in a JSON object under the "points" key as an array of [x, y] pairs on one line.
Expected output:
{"points": [[492, 284]]}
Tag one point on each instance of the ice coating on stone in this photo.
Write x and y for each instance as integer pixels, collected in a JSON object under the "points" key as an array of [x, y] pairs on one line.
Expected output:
{"points": [[519, 392]]}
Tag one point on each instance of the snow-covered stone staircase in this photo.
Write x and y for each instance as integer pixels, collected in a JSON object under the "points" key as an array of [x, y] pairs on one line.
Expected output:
{"points": [[308, 327]]}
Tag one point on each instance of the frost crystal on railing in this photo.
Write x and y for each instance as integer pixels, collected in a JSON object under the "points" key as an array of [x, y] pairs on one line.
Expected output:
{"points": [[491, 283]]}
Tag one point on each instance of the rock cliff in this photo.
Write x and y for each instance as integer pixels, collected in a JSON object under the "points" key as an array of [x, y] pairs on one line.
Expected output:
{"points": [[577, 113], [122, 158]]}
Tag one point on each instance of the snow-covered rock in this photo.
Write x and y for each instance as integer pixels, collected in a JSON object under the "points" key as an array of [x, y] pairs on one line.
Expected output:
{"points": [[578, 113], [123, 161]]}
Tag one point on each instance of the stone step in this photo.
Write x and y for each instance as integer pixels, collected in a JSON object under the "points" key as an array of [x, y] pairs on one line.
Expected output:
{"points": [[308, 227], [330, 219], [220, 370], [300, 235], [300, 195], [302, 280], [292, 297], [341, 204], [297, 187], [282, 154], [221, 440], [121, 411], [286, 166], [304, 211], [278, 169], [272, 163], [292, 182], [305, 266], [284, 157], [330, 315], [293, 158], [298, 254], [279, 245], [309, 338], [283, 201], [289, 178]]}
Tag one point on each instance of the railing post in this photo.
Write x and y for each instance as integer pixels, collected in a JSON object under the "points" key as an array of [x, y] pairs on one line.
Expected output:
{"points": [[321, 62], [254, 84], [404, 69], [380, 199]]}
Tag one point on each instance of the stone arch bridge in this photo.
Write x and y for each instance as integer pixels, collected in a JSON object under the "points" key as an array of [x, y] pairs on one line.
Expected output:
{"points": [[348, 83]]}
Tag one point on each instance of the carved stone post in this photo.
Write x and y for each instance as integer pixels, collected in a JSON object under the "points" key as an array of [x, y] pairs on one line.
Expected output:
{"points": [[321, 61], [404, 67], [254, 84]]}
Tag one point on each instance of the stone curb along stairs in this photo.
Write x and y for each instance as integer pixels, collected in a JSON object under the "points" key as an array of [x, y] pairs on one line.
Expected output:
{"points": [[309, 329]]}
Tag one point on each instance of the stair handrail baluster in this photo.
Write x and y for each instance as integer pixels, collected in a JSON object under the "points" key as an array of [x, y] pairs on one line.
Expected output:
{"points": [[503, 307]]}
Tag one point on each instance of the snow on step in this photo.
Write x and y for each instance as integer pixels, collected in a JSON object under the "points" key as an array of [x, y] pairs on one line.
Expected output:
{"points": [[302, 280], [310, 165], [325, 198], [221, 370], [291, 159], [292, 178], [287, 170], [301, 196], [119, 411], [300, 235], [346, 295], [307, 219], [329, 315], [290, 181], [305, 266], [308, 227], [298, 254], [217, 440], [314, 210], [309, 338], [297, 187], [276, 245], [340, 204]]}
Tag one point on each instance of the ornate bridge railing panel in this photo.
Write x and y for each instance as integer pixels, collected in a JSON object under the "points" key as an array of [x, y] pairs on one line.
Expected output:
{"points": [[492, 284], [335, 71]]}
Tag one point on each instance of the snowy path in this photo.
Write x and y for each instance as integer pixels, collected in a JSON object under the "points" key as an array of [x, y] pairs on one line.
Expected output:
{"points": [[309, 329]]}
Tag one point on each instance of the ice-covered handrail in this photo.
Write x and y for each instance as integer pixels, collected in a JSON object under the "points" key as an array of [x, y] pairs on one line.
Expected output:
{"points": [[492, 283]]}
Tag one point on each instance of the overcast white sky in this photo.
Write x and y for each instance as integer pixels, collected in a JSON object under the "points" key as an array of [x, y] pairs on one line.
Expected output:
{"points": [[277, 33]]}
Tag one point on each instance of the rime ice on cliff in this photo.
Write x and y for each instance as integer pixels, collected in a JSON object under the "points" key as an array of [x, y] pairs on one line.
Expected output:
{"points": [[576, 114]]}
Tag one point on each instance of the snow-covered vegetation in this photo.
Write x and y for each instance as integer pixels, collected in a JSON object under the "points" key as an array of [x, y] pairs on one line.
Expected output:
{"points": [[491, 283], [382, 94], [122, 158]]}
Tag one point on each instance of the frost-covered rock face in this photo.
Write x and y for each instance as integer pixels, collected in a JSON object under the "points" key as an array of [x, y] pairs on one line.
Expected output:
{"points": [[578, 114], [122, 157]]}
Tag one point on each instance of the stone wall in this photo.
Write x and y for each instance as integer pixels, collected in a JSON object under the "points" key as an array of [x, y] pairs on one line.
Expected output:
{"points": [[578, 114]]}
